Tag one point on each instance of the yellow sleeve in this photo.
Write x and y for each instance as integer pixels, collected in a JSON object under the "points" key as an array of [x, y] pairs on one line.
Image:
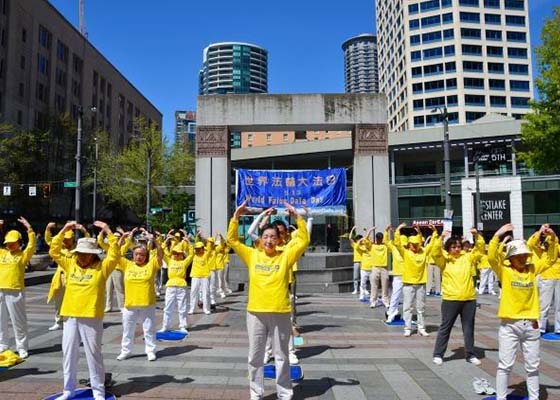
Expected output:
{"points": [[48, 236], [301, 242], [125, 246], [495, 255], [478, 250], [56, 253], [86, 234], [190, 256], [548, 258], [113, 256], [437, 252], [30, 248], [533, 244], [428, 249], [244, 252], [397, 242], [101, 243]]}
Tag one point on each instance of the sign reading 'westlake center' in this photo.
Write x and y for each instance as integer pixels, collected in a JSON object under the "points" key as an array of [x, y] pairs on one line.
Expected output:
{"points": [[495, 209], [323, 191]]}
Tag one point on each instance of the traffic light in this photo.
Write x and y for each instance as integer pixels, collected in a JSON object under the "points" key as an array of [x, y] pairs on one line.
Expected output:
{"points": [[46, 190]]}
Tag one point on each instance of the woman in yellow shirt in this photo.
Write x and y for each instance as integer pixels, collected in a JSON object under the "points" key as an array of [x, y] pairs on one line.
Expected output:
{"points": [[176, 286], [356, 258], [269, 307], [519, 306], [459, 293], [82, 306], [140, 297], [12, 287], [200, 278]]}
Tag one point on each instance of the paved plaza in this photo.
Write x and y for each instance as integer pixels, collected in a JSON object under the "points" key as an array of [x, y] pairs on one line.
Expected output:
{"points": [[349, 353]]}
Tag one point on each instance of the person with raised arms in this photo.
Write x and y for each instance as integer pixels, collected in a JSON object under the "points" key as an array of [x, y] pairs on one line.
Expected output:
{"points": [[269, 307], [82, 305], [13, 261], [517, 270]]}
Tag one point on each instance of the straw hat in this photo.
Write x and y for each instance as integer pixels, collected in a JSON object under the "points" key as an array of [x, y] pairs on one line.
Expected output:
{"points": [[516, 247]]}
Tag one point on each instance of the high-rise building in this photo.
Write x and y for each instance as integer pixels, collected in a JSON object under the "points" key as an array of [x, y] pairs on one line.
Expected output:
{"points": [[232, 67], [472, 56], [185, 129], [360, 64], [48, 68]]}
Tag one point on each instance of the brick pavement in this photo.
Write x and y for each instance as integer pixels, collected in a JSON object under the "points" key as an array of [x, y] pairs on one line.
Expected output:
{"points": [[349, 353]]}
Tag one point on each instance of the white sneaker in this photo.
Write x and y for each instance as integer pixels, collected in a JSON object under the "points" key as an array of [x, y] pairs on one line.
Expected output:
{"points": [[477, 386], [151, 356], [207, 312], [366, 293], [222, 295], [437, 360], [66, 395], [163, 330], [493, 293], [474, 361], [55, 327], [407, 332], [422, 332], [23, 354], [372, 305], [107, 309], [191, 312], [355, 291], [183, 329], [229, 291], [268, 358], [486, 386], [123, 356], [294, 360]]}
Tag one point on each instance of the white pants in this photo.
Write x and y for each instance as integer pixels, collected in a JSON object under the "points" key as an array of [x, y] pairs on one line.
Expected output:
{"points": [[291, 348], [226, 277], [410, 293], [511, 335], [549, 296], [356, 275], [259, 327], [364, 276], [90, 332], [58, 298], [396, 295], [12, 304], [213, 286], [114, 284], [175, 295], [132, 316], [221, 280], [434, 279], [199, 285], [486, 283]]}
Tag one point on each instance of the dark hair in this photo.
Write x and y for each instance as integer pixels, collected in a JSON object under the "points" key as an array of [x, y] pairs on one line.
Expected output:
{"points": [[278, 222], [466, 243], [358, 237], [379, 235], [271, 226], [453, 240]]}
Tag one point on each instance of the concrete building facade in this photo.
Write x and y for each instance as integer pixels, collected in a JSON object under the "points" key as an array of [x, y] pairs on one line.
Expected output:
{"points": [[47, 67], [185, 130], [361, 73], [472, 56]]}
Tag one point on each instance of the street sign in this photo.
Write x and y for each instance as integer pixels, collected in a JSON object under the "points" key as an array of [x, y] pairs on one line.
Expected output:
{"points": [[7, 190], [32, 191], [155, 210], [70, 184]]}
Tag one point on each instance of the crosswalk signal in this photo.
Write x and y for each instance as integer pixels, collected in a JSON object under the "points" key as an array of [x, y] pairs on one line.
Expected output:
{"points": [[46, 190]]}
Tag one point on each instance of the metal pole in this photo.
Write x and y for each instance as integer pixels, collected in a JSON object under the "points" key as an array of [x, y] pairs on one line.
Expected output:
{"points": [[78, 164], [94, 206], [477, 195], [148, 187], [446, 160]]}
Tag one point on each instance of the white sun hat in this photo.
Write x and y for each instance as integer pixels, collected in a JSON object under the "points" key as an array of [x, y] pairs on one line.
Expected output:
{"points": [[88, 246], [516, 247]]}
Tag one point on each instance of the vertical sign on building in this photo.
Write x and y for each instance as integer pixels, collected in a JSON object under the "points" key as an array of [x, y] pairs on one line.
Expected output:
{"points": [[32, 191], [495, 209]]}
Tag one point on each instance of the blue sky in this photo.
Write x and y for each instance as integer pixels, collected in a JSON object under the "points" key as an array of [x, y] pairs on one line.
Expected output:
{"points": [[158, 45]]}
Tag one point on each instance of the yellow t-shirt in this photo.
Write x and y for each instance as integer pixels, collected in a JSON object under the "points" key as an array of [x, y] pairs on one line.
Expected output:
{"points": [[520, 295], [415, 270], [357, 252], [379, 255], [484, 263], [84, 296], [200, 267], [220, 256], [398, 261], [269, 276], [552, 273], [177, 271], [211, 250], [12, 265], [139, 282]]}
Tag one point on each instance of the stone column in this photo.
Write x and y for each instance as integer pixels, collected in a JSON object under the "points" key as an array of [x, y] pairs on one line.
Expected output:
{"points": [[212, 193], [372, 205]]}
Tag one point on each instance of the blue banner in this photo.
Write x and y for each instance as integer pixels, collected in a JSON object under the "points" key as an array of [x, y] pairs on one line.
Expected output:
{"points": [[323, 191]]}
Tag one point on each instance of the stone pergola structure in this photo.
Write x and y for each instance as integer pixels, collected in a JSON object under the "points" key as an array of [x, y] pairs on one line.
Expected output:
{"points": [[365, 115]]}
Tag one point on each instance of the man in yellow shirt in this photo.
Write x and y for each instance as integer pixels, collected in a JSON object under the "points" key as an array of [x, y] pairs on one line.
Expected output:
{"points": [[200, 278], [379, 271], [397, 270], [415, 258], [12, 287], [519, 306], [140, 297], [269, 306], [82, 306], [357, 258]]}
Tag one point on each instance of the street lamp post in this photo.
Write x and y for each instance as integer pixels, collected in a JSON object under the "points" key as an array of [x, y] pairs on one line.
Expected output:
{"points": [[446, 157], [94, 205], [78, 192], [148, 185]]}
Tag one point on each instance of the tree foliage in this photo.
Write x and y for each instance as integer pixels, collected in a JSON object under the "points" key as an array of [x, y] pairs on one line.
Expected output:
{"points": [[122, 174], [541, 133]]}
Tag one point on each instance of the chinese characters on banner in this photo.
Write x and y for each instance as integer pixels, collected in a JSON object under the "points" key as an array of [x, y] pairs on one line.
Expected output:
{"points": [[322, 191]]}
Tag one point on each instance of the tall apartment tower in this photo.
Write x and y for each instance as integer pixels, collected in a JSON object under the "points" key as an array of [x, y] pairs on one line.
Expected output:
{"points": [[360, 64], [472, 56], [232, 67]]}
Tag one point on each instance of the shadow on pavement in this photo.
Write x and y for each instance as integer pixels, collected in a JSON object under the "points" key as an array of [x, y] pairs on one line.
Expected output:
{"points": [[55, 348], [312, 351], [520, 389], [316, 327], [16, 373], [177, 350], [313, 388], [302, 313], [141, 384], [459, 353], [204, 327]]}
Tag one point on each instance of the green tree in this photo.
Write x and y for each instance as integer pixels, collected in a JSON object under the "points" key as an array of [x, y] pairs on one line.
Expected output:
{"points": [[541, 132]]}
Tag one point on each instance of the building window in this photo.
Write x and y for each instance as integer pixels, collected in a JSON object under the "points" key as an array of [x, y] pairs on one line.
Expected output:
{"points": [[519, 86], [19, 117], [470, 33], [469, 17], [62, 52], [468, 3], [24, 35], [518, 69], [432, 53], [416, 55], [417, 88], [516, 36], [414, 24], [493, 35], [42, 64], [447, 18], [22, 62], [434, 86], [492, 3], [429, 5], [250, 137], [515, 20], [285, 137], [452, 101], [450, 66], [418, 104], [515, 4], [449, 50], [493, 19], [414, 40], [516, 52], [21, 89], [473, 66], [416, 71], [418, 121], [269, 137], [432, 36], [435, 102], [473, 83], [446, 3], [473, 116], [520, 102], [45, 37], [497, 101], [430, 21], [433, 69], [471, 49], [413, 8], [475, 100], [492, 51], [496, 68], [497, 84], [448, 34]]}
